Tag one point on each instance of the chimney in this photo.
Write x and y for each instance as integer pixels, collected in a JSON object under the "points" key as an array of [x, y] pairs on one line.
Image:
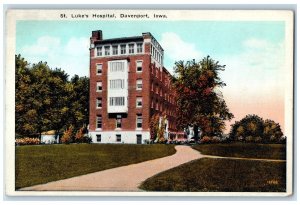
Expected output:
{"points": [[97, 35]]}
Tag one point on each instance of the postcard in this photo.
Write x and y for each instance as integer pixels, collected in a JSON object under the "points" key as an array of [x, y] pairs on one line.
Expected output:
{"points": [[149, 102]]}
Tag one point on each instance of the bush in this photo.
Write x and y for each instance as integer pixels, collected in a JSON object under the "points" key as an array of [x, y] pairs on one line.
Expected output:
{"points": [[257, 139], [67, 136], [215, 139], [27, 141], [79, 137]]}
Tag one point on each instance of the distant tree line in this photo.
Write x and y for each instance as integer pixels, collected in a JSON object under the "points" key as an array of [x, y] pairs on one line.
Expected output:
{"points": [[46, 99]]}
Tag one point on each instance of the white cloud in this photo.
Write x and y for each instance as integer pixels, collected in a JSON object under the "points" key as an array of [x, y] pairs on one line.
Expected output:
{"points": [[73, 56], [258, 71], [177, 49]]}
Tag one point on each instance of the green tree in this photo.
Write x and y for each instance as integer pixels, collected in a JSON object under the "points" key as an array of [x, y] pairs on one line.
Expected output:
{"points": [[79, 96], [23, 91], [272, 131], [253, 128], [47, 100], [199, 101]]}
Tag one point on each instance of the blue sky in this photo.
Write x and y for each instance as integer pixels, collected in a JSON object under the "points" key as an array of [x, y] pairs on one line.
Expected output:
{"points": [[253, 53], [206, 37]]}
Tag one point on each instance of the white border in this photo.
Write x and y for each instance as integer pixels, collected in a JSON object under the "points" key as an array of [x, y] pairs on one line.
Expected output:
{"points": [[211, 15]]}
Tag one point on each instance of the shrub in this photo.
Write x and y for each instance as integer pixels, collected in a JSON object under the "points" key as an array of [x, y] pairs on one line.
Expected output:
{"points": [[67, 136], [215, 139], [205, 140], [79, 137], [249, 139], [27, 141], [87, 139], [257, 139]]}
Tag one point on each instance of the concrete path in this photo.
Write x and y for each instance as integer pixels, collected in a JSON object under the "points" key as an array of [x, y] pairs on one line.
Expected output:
{"points": [[126, 178]]}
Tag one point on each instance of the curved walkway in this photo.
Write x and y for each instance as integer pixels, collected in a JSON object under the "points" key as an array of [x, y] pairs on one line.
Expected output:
{"points": [[126, 178]]}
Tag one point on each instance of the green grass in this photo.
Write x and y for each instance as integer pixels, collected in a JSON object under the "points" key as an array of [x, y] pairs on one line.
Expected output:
{"points": [[221, 175], [42, 164], [268, 151]]}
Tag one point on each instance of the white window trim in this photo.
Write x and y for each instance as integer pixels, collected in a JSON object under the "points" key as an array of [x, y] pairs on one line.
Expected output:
{"points": [[137, 47], [121, 49], [97, 68], [134, 50], [98, 86], [138, 101], [136, 123], [99, 128], [136, 63], [112, 48], [97, 107], [137, 84]]}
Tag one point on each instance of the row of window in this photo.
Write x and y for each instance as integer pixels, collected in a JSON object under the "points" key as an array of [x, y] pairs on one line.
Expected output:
{"points": [[156, 54], [119, 84], [118, 101], [139, 121], [118, 67], [163, 108], [119, 138], [122, 49]]}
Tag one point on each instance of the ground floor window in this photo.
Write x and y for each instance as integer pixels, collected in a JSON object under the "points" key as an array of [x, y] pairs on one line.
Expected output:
{"points": [[118, 138], [98, 138]]}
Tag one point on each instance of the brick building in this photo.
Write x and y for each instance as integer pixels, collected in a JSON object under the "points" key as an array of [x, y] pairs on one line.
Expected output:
{"points": [[128, 84]]}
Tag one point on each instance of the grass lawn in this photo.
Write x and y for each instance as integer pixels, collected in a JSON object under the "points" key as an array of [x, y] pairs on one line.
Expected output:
{"points": [[268, 151], [45, 163], [221, 175], [226, 175]]}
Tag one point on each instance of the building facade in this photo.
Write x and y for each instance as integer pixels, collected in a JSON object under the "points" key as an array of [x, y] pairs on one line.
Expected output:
{"points": [[128, 85]]}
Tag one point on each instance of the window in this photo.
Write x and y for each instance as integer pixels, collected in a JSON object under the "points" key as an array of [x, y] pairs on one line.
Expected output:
{"points": [[117, 101], [119, 121], [99, 51], [139, 66], [139, 48], [99, 69], [99, 122], [99, 86], [131, 48], [139, 102], [139, 84], [115, 50], [98, 138], [99, 103], [139, 121], [117, 66], [118, 138], [107, 50], [123, 49], [116, 84]]}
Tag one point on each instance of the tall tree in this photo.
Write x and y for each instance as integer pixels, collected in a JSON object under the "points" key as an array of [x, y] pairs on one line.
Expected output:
{"points": [[23, 91], [79, 111], [199, 100]]}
